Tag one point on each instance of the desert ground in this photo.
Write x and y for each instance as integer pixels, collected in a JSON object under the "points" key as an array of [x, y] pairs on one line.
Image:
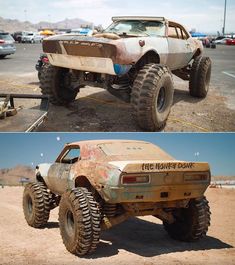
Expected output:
{"points": [[136, 241]]}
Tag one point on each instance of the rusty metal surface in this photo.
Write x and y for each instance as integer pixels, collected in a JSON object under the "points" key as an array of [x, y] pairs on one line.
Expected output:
{"points": [[99, 53], [103, 163]]}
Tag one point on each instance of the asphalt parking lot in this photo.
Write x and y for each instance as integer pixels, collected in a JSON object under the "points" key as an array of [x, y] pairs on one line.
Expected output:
{"points": [[96, 110]]}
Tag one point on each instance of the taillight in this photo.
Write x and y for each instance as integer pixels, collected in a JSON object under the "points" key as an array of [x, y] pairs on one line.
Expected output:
{"points": [[196, 177], [2, 41], [45, 60], [132, 179]]}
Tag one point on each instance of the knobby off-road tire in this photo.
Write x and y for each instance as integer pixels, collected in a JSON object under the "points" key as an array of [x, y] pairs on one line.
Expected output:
{"points": [[56, 83], [152, 96], [191, 223], [79, 219], [200, 77], [36, 204]]}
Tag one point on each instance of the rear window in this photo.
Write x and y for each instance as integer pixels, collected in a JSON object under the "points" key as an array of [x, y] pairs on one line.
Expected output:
{"points": [[6, 36]]}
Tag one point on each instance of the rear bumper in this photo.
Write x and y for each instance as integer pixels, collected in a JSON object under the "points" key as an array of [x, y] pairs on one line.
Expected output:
{"points": [[153, 193], [7, 51]]}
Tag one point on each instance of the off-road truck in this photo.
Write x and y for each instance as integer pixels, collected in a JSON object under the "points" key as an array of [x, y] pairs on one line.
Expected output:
{"points": [[134, 59], [98, 184]]}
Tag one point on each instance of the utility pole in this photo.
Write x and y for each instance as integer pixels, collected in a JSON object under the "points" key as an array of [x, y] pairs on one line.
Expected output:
{"points": [[225, 11]]}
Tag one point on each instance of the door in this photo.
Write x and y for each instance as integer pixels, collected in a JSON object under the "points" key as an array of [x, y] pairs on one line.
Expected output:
{"points": [[180, 50], [59, 176]]}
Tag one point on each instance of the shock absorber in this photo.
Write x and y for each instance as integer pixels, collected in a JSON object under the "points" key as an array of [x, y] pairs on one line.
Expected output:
{"points": [[110, 209]]}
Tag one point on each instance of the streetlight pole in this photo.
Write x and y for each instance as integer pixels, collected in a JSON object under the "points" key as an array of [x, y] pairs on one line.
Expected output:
{"points": [[225, 11]]}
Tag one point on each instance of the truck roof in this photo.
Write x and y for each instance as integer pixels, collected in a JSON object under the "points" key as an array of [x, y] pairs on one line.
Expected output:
{"points": [[96, 142], [138, 18]]}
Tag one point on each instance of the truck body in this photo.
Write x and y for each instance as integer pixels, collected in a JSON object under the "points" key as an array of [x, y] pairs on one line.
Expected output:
{"points": [[115, 52], [126, 171]]}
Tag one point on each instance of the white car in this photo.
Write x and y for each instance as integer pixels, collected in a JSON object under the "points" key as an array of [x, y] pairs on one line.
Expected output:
{"points": [[222, 41], [32, 37]]}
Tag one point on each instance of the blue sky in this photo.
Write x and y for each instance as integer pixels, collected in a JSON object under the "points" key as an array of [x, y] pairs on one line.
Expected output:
{"points": [[204, 15], [34, 148]]}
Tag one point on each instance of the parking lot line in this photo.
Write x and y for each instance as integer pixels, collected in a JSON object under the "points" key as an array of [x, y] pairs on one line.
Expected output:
{"points": [[226, 73]]}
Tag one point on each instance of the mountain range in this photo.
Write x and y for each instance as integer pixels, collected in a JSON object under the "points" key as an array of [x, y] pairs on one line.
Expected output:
{"points": [[13, 176], [13, 25]]}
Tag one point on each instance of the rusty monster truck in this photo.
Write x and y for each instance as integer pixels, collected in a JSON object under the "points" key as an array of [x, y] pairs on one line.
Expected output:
{"points": [[98, 184], [134, 59]]}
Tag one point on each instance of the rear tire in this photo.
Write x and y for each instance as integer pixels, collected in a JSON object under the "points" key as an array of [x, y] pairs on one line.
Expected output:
{"points": [[79, 219], [36, 204], [56, 83], [191, 223], [152, 96], [2, 56], [200, 77]]}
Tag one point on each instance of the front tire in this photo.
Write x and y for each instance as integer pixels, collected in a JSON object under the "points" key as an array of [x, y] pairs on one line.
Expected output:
{"points": [[191, 223], [79, 219], [152, 96], [200, 77], [56, 82], [36, 204]]}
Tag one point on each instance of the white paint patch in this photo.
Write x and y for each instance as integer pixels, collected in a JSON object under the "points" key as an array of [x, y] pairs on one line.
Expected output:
{"points": [[43, 169], [82, 63], [229, 74]]}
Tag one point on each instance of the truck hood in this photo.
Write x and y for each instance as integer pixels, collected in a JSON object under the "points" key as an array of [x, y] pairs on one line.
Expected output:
{"points": [[159, 166]]}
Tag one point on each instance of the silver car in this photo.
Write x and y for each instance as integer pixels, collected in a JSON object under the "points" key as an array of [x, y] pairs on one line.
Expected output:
{"points": [[7, 46]]}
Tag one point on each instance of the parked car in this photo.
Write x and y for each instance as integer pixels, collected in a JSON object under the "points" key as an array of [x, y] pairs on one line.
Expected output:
{"points": [[222, 41], [31, 37], [18, 35], [230, 42], [101, 183], [7, 46]]}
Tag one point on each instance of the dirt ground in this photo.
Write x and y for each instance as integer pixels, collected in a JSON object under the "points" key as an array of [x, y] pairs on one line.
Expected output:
{"points": [[139, 241]]}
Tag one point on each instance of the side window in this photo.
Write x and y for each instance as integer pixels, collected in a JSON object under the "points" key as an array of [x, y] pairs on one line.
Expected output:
{"points": [[71, 156], [184, 34], [179, 33], [172, 33]]}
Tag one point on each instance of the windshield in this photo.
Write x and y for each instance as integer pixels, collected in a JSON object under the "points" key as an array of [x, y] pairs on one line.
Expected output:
{"points": [[137, 27]]}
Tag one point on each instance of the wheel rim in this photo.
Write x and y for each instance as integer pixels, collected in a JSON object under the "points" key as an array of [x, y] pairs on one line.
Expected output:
{"points": [[69, 223], [161, 99], [29, 205]]}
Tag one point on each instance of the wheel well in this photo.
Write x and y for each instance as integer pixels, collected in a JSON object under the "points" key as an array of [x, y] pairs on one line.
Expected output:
{"points": [[39, 178], [149, 57], [82, 181], [197, 53]]}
